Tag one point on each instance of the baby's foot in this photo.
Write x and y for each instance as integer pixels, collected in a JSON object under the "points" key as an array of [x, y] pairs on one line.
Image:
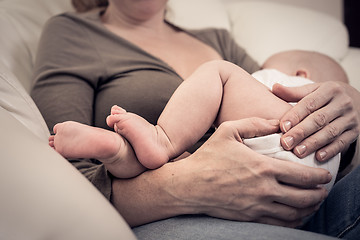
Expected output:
{"points": [[76, 140], [150, 143]]}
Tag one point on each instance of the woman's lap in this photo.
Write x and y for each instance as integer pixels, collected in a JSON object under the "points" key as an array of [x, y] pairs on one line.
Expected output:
{"points": [[203, 227], [339, 215]]}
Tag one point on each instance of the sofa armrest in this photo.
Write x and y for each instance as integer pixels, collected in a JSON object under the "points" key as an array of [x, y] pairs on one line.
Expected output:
{"points": [[43, 196], [15, 99]]}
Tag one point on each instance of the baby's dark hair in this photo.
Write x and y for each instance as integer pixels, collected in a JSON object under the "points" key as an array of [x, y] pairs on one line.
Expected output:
{"points": [[87, 5]]}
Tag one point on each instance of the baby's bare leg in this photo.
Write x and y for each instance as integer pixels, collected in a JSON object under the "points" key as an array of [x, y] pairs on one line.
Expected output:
{"points": [[245, 97], [149, 142], [217, 91], [188, 115], [76, 140]]}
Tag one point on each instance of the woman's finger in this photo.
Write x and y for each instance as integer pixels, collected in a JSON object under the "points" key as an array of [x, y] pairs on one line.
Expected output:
{"points": [[300, 198], [331, 113], [338, 145], [308, 107], [296, 185], [293, 94], [334, 137], [251, 127], [331, 120], [277, 212], [295, 174], [304, 106], [310, 98], [310, 125]]}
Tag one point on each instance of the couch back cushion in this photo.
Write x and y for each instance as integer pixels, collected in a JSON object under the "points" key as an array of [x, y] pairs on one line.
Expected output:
{"points": [[198, 14], [17, 102], [21, 22], [264, 28]]}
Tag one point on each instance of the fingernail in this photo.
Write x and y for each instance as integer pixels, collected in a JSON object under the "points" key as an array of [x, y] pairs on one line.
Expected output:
{"points": [[286, 126], [301, 149], [322, 155], [289, 141]]}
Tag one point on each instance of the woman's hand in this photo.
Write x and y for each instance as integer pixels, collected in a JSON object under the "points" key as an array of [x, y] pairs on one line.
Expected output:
{"points": [[225, 179], [324, 120]]}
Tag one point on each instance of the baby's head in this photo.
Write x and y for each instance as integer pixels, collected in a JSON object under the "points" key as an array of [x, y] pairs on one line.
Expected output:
{"points": [[312, 65]]}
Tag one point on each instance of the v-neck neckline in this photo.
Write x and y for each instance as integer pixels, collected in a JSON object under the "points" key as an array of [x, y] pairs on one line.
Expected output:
{"points": [[96, 16]]}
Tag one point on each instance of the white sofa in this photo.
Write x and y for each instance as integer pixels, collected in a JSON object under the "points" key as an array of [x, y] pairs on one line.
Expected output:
{"points": [[42, 195]]}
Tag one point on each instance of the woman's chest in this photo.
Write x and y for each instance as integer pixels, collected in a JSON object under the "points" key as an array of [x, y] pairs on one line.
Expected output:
{"points": [[180, 51], [144, 91], [183, 55]]}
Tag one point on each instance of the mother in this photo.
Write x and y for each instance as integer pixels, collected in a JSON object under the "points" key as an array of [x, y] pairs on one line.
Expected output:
{"points": [[125, 53]]}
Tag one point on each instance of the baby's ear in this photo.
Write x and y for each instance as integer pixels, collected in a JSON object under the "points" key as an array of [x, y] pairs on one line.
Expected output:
{"points": [[303, 73]]}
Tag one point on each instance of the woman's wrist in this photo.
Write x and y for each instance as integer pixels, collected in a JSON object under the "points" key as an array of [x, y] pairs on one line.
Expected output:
{"points": [[155, 194]]}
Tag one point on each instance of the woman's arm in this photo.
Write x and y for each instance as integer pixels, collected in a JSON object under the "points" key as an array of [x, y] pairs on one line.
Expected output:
{"points": [[325, 120], [224, 179], [65, 82]]}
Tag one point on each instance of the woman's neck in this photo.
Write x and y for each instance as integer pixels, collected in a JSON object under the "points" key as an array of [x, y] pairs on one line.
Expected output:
{"points": [[151, 23]]}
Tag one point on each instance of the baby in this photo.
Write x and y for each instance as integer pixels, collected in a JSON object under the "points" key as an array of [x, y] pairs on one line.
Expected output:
{"points": [[216, 92]]}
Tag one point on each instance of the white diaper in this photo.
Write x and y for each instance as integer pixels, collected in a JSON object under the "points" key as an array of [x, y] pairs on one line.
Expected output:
{"points": [[270, 146]]}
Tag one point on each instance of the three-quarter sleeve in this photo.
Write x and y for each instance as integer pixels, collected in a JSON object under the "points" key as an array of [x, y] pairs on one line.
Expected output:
{"points": [[65, 79]]}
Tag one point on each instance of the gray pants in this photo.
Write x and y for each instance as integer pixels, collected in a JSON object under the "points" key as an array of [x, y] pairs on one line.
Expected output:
{"points": [[202, 227]]}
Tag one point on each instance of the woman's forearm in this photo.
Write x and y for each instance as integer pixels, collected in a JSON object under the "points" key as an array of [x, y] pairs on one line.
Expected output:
{"points": [[151, 196]]}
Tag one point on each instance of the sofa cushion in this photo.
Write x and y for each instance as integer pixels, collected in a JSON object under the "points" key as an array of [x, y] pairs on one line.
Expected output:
{"points": [[351, 65], [280, 27], [198, 14], [21, 22], [20, 105], [44, 197]]}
